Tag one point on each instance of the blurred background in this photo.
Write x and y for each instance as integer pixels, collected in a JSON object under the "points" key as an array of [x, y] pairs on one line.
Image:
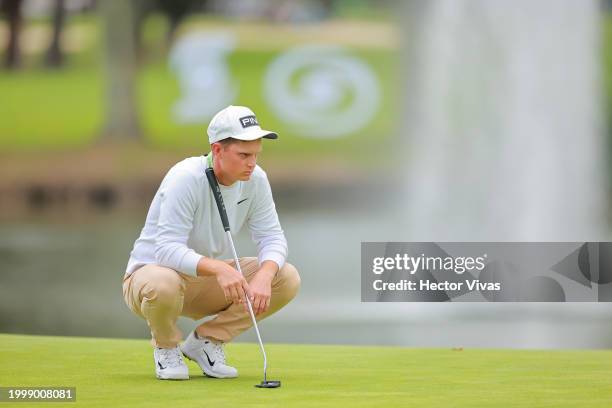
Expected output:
{"points": [[398, 121]]}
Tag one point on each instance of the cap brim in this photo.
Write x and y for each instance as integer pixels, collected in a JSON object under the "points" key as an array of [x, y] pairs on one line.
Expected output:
{"points": [[271, 135], [257, 134]]}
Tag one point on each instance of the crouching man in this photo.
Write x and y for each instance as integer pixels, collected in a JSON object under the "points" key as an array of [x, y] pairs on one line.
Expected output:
{"points": [[174, 268]]}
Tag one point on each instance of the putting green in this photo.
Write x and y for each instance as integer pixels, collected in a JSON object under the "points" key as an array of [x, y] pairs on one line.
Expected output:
{"points": [[109, 372]]}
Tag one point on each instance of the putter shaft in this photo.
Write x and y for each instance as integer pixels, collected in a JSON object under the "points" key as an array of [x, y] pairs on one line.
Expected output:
{"points": [[250, 307]]}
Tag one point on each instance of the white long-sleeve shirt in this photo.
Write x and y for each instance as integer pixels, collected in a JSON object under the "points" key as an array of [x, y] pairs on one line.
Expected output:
{"points": [[183, 223]]}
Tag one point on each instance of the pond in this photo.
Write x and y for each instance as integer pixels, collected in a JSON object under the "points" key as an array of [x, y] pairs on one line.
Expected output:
{"points": [[61, 275]]}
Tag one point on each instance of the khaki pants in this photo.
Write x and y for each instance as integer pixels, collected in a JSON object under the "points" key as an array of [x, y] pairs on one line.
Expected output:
{"points": [[160, 295]]}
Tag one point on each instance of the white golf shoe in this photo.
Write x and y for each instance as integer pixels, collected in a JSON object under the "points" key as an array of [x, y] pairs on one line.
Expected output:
{"points": [[169, 364], [209, 356]]}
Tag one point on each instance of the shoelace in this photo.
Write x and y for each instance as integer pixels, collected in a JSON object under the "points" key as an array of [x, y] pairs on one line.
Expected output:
{"points": [[217, 350], [170, 357]]}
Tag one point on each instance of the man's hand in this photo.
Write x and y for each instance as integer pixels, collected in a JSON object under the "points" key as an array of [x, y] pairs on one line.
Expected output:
{"points": [[231, 281], [234, 286], [261, 286]]}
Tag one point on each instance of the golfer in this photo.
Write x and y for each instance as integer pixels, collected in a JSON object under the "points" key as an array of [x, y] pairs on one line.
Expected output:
{"points": [[175, 268]]}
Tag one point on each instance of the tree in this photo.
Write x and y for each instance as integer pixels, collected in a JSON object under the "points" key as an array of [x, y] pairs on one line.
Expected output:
{"points": [[120, 62], [54, 57], [12, 56], [142, 9], [176, 11]]}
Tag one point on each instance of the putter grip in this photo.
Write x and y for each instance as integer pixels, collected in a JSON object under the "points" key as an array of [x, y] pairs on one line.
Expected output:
{"points": [[214, 186]]}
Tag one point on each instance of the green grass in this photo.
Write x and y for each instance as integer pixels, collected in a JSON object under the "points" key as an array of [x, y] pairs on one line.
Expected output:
{"points": [[49, 109], [64, 109], [117, 372]]}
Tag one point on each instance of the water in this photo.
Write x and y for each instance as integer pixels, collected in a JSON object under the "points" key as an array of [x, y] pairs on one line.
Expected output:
{"points": [[62, 277], [503, 121]]}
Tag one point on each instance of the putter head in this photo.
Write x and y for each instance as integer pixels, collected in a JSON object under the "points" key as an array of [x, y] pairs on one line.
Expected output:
{"points": [[269, 384]]}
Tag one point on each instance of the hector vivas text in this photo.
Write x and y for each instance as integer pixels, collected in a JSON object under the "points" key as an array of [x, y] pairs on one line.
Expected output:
{"points": [[410, 265]]}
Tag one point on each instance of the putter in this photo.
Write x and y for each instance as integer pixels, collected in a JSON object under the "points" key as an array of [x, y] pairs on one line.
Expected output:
{"points": [[214, 186]]}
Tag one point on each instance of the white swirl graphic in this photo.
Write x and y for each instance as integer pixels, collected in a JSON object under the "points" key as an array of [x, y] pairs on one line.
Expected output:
{"points": [[322, 91]]}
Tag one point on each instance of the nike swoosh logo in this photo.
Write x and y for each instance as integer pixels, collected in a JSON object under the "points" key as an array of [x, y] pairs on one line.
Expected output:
{"points": [[212, 363], [161, 366], [243, 200]]}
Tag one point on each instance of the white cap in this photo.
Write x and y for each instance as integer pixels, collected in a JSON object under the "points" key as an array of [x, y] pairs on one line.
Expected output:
{"points": [[238, 122]]}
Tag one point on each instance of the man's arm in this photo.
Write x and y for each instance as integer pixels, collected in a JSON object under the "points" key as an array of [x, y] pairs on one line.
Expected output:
{"points": [[177, 208], [268, 235], [268, 269], [265, 227]]}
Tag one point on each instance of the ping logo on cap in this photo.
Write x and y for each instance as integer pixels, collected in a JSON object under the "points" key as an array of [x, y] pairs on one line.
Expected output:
{"points": [[248, 121]]}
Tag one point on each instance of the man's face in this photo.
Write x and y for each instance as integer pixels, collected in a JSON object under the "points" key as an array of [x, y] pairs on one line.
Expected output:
{"points": [[237, 160]]}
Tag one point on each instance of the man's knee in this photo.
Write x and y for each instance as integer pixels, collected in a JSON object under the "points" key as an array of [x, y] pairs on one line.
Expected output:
{"points": [[163, 285], [289, 281]]}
